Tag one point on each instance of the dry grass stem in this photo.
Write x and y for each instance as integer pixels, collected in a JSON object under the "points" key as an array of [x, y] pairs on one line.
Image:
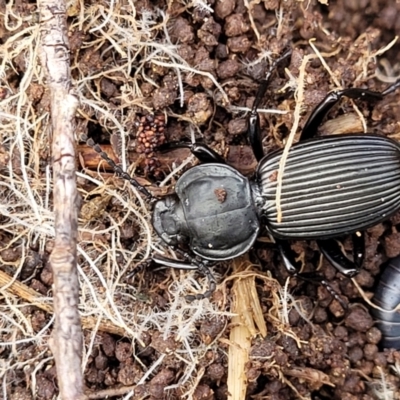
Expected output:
{"points": [[247, 322], [299, 95]]}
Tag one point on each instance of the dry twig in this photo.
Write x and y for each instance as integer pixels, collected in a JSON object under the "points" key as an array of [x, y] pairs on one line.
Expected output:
{"points": [[67, 336]]}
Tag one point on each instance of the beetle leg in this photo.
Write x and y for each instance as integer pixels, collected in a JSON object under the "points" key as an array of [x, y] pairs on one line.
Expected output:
{"points": [[203, 153], [172, 263], [332, 251], [321, 110], [358, 249], [203, 267], [391, 88], [190, 264], [293, 267], [254, 130], [160, 260], [288, 256], [139, 268]]}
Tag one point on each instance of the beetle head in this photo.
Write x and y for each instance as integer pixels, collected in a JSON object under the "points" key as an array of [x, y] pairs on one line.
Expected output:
{"points": [[169, 221]]}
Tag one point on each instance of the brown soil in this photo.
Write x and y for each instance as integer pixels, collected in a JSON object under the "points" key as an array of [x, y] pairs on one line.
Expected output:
{"points": [[171, 71]]}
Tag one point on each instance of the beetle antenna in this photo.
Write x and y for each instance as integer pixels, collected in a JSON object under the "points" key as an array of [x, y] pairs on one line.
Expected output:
{"points": [[118, 170]]}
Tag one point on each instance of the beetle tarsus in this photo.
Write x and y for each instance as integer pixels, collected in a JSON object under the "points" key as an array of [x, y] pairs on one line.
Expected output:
{"points": [[254, 131], [189, 263], [203, 268], [334, 254], [317, 278], [145, 264]]}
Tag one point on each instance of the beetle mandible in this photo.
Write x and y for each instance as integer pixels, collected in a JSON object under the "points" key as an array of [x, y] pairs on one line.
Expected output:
{"points": [[332, 186]]}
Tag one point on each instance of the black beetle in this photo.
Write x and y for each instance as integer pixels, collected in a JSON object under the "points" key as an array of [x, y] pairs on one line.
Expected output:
{"points": [[387, 297], [332, 186]]}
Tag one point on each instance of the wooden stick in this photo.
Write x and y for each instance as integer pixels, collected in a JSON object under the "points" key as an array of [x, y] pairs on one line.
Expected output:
{"points": [[66, 343]]}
